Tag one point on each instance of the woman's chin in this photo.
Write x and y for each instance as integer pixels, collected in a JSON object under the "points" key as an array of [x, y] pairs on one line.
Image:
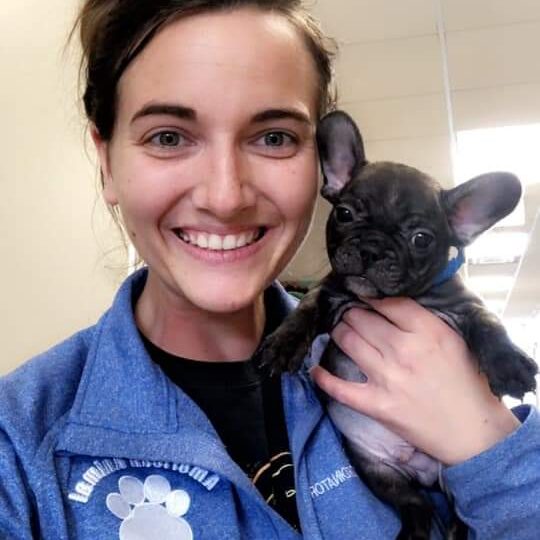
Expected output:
{"points": [[222, 298]]}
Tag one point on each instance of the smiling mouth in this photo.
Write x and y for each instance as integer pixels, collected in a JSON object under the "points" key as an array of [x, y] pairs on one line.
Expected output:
{"points": [[217, 242]]}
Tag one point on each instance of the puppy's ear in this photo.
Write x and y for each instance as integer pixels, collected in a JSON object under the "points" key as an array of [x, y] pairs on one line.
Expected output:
{"points": [[476, 205], [341, 151]]}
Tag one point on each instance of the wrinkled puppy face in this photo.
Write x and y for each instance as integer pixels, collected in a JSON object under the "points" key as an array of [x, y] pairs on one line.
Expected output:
{"points": [[388, 229], [392, 227]]}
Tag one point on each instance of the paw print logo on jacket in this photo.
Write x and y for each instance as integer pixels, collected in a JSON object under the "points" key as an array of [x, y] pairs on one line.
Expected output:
{"points": [[150, 510]]}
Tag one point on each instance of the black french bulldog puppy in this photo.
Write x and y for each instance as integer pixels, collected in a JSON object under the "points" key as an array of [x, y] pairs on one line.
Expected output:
{"points": [[390, 233]]}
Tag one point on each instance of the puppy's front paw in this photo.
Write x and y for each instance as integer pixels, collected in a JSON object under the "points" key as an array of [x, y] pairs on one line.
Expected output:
{"points": [[283, 351], [509, 371]]}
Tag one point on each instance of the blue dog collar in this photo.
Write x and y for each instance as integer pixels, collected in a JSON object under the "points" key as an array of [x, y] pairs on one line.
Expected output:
{"points": [[451, 268]]}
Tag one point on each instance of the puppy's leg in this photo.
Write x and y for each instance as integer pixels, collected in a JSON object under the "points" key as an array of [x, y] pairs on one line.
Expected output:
{"points": [[389, 485], [286, 348], [508, 369]]}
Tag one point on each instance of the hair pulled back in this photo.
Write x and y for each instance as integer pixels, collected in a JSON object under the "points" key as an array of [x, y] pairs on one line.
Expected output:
{"points": [[114, 32]]}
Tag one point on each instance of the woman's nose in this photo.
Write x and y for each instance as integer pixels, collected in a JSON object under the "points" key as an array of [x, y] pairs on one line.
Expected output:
{"points": [[226, 188]]}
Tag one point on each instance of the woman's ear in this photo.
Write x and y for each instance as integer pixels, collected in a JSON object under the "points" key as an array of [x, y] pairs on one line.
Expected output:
{"points": [[102, 148]]}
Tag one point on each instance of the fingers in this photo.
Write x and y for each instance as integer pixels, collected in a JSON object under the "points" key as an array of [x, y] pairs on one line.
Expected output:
{"points": [[358, 396], [371, 328], [366, 357], [406, 314]]}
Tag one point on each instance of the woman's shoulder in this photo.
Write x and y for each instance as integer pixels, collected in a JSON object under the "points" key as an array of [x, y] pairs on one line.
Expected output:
{"points": [[38, 393]]}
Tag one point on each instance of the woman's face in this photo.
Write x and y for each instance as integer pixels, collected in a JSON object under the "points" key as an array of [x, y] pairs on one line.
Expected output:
{"points": [[212, 160]]}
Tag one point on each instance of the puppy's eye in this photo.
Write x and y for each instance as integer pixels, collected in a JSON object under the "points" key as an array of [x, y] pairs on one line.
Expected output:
{"points": [[421, 240], [343, 214]]}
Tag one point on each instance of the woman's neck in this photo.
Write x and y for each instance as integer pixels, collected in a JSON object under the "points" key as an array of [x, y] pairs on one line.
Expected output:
{"points": [[183, 329]]}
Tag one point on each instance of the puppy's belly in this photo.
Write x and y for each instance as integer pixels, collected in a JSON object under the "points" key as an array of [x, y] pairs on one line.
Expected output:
{"points": [[365, 436], [373, 441]]}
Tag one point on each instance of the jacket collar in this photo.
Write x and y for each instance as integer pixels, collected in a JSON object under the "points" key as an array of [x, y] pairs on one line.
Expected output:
{"points": [[121, 388], [123, 391]]}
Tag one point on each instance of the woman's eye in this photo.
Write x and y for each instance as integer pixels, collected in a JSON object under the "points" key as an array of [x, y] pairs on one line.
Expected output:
{"points": [[275, 138], [167, 139], [421, 240], [278, 143]]}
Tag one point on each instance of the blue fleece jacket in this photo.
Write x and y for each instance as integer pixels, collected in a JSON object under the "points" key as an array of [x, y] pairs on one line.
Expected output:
{"points": [[96, 443]]}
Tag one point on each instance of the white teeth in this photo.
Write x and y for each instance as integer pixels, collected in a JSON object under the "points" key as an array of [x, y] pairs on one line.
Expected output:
{"points": [[229, 242], [242, 240], [251, 236], [202, 240], [216, 242]]}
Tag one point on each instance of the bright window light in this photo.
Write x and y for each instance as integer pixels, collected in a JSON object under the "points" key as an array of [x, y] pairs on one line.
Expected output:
{"points": [[495, 305], [510, 148], [490, 284], [497, 248]]}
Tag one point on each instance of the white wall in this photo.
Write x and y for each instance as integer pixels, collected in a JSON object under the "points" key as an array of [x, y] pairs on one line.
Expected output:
{"points": [[54, 231]]}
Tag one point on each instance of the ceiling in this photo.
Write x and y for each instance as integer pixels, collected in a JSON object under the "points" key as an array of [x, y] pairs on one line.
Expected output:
{"points": [[415, 73]]}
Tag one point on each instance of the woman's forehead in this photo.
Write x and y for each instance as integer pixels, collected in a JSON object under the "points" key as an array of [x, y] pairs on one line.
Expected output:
{"points": [[243, 54]]}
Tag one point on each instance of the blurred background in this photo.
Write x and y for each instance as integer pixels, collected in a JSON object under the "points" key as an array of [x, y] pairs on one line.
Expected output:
{"points": [[451, 87]]}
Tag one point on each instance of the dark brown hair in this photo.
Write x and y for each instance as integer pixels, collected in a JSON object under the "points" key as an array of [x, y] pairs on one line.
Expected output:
{"points": [[114, 32]]}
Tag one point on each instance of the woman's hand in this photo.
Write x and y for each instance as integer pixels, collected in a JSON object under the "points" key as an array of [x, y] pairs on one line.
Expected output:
{"points": [[423, 383]]}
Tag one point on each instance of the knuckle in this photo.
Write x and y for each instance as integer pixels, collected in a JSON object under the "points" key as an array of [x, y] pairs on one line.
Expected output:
{"points": [[441, 332], [352, 316], [345, 338], [405, 346], [340, 394], [446, 336], [339, 327], [392, 379], [383, 408], [411, 349]]}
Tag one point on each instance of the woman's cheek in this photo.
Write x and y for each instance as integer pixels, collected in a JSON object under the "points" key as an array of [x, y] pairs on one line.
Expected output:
{"points": [[302, 185]]}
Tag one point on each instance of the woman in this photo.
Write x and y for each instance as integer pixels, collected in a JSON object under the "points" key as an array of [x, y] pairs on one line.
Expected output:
{"points": [[154, 423]]}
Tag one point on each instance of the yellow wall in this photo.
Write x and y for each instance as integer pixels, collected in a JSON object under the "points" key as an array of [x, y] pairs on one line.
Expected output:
{"points": [[54, 231]]}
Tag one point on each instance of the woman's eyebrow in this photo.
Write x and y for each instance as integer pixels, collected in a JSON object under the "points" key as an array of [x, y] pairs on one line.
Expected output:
{"points": [[278, 114], [169, 109], [187, 113]]}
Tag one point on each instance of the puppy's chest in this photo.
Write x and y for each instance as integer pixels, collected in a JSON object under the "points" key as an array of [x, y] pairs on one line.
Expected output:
{"points": [[366, 437], [370, 440]]}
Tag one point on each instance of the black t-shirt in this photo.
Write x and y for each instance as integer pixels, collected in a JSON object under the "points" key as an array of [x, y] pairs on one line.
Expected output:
{"points": [[244, 403]]}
